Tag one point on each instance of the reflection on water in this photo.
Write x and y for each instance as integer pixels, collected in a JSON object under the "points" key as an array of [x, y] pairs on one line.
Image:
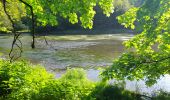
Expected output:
{"points": [[87, 51], [137, 86], [69, 51]]}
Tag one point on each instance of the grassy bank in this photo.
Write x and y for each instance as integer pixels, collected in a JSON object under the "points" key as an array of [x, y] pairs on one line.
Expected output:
{"points": [[23, 81]]}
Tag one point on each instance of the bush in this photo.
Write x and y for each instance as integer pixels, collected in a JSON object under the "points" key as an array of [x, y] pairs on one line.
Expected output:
{"points": [[105, 91], [162, 96], [71, 86], [23, 81], [20, 80]]}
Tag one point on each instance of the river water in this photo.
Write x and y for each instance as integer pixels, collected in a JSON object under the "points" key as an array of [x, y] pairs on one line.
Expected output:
{"points": [[86, 51]]}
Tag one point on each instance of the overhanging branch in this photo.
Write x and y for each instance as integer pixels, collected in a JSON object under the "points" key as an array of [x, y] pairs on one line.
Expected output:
{"points": [[155, 61], [33, 22]]}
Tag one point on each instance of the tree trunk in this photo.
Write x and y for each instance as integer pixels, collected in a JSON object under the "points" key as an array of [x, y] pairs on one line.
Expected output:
{"points": [[33, 22]]}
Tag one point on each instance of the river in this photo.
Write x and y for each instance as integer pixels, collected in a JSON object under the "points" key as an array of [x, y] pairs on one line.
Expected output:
{"points": [[86, 51]]}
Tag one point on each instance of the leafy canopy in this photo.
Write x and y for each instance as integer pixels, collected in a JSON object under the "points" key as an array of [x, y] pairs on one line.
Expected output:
{"points": [[15, 9], [148, 57], [48, 11]]}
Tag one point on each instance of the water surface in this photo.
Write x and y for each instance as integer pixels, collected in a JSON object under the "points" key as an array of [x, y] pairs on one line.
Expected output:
{"points": [[70, 50], [85, 51]]}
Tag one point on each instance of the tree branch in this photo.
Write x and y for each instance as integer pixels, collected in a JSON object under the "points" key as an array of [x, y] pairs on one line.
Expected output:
{"points": [[154, 61], [14, 32], [50, 45], [33, 22]]}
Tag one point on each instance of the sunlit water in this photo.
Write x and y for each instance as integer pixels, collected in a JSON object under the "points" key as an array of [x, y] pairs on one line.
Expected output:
{"points": [[87, 51]]}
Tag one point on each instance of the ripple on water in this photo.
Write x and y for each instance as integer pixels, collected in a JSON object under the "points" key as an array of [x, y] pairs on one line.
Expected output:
{"points": [[87, 51]]}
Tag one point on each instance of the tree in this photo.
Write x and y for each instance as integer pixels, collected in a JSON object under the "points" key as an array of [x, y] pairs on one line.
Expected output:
{"points": [[14, 9], [148, 55], [46, 12]]}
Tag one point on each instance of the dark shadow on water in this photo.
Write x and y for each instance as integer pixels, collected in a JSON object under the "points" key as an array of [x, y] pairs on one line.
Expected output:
{"points": [[85, 32]]}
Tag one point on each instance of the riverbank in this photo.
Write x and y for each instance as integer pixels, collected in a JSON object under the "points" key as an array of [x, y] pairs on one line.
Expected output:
{"points": [[58, 32], [85, 32], [21, 80]]}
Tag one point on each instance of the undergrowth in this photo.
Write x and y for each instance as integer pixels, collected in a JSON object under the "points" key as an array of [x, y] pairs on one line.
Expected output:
{"points": [[23, 81]]}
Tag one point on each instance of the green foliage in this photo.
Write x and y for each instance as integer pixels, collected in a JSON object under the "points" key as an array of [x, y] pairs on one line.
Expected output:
{"points": [[106, 6], [14, 9], [128, 21], [162, 96], [22, 81], [4, 22], [150, 58], [71, 86], [104, 91], [48, 12]]}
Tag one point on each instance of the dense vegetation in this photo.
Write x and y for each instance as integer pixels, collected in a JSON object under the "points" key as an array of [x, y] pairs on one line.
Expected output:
{"points": [[23, 81], [48, 12], [147, 58], [54, 14], [150, 57]]}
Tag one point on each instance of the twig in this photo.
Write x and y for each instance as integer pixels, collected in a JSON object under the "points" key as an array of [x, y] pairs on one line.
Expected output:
{"points": [[155, 61], [47, 41]]}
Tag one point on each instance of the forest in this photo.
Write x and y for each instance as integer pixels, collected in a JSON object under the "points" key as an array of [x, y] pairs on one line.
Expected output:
{"points": [[84, 50]]}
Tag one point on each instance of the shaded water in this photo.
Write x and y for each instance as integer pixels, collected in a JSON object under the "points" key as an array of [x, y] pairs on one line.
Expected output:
{"points": [[87, 51]]}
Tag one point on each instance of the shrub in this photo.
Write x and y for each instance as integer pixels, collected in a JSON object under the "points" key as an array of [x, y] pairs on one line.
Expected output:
{"points": [[71, 86], [105, 91], [20, 80], [23, 81], [162, 96]]}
